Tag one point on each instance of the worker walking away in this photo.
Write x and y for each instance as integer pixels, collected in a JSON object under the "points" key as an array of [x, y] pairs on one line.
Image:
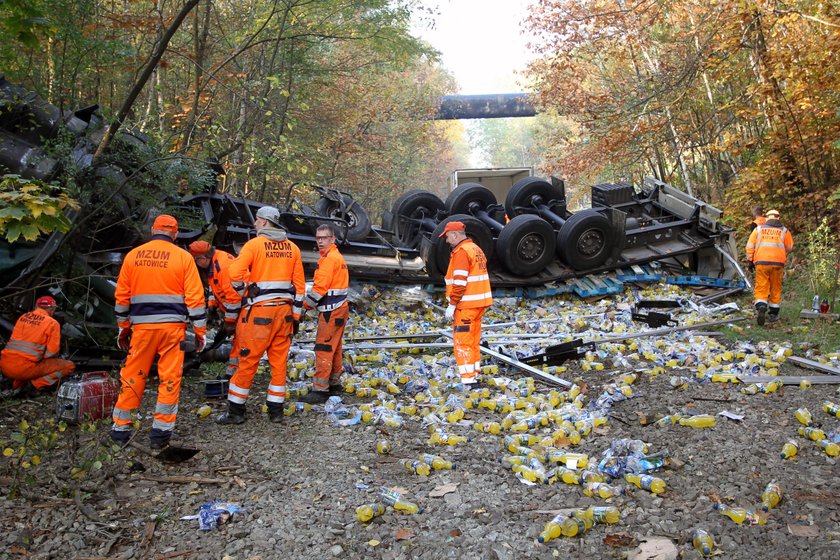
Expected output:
{"points": [[30, 357], [469, 295], [216, 263], [271, 308], [767, 251], [758, 217], [328, 296], [158, 292]]}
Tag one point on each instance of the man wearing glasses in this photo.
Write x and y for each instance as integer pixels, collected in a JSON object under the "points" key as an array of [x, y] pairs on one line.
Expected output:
{"points": [[329, 296], [214, 263]]}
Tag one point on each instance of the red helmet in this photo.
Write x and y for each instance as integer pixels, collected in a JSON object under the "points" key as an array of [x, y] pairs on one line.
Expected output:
{"points": [[46, 302]]}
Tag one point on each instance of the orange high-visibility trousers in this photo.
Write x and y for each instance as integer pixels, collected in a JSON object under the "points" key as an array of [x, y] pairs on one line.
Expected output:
{"points": [[262, 329], [42, 374], [328, 348], [165, 341], [466, 334], [768, 284], [233, 357]]}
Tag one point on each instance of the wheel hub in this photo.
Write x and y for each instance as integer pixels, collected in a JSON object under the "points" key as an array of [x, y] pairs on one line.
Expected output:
{"points": [[531, 247], [590, 243]]}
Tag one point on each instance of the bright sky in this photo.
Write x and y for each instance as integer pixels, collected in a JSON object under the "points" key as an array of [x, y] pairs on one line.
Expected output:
{"points": [[480, 42]]}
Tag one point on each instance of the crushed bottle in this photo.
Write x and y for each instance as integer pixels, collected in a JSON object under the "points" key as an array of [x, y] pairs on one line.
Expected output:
{"points": [[703, 542], [366, 512], [804, 416], [790, 449], [814, 434], [739, 515], [437, 462], [395, 500]]}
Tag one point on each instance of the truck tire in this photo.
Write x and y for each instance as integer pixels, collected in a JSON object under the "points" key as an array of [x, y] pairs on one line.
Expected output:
{"points": [[408, 209], [518, 199], [437, 260], [526, 245], [469, 197], [358, 222], [585, 240]]}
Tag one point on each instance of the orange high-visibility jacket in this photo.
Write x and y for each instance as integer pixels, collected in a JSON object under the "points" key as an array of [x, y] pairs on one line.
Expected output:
{"points": [[275, 272], [467, 283], [159, 284], [218, 276], [769, 244], [330, 284], [36, 336]]}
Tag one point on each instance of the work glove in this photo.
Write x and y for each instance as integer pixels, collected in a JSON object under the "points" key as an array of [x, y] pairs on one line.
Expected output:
{"points": [[450, 312], [124, 339], [230, 328], [200, 342]]}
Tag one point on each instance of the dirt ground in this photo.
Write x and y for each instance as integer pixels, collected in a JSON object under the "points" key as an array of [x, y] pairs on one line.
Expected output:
{"points": [[298, 484]]}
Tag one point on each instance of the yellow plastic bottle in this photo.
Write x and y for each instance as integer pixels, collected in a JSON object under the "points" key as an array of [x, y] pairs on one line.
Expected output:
{"points": [[573, 526], [814, 434], [600, 514], [703, 542], [591, 476], [646, 482], [368, 511], [455, 416], [771, 496], [804, 416], [772, 387], [488, 427], [601, 490], [204, 411], [529, 474], [831, 449], [739, 514], [395, 500], [566, 475], [437, 462], [383, 447], [417, 467], [790, 449], [698, 421], [831, 408], [553, 529], [442, 438]]}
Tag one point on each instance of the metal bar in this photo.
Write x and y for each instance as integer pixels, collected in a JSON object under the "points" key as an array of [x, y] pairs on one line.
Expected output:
{"points": [[791, 379], [802, 362], [728, 257], [667, 330]]}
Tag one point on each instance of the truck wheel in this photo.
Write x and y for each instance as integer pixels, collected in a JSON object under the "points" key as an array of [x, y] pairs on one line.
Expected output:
{"points": [[437, 260], [410, 211], [522, 195], [358, 222], [526, 245], [469, 198], [585, 240]]}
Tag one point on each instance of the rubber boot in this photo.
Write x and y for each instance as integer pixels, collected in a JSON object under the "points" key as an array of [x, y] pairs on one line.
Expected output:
{"points": [[315, 397], [235, 414], [275, 413], [158, 439], [773, 314], [760, 309]]}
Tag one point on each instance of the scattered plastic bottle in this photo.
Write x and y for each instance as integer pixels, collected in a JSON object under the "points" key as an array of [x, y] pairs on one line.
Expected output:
{"points": [[739, 514], [417, 467], [600, 514], [368, 511], [698, 421], [552, 530], [601, 490], [395, 500], [591, 476], [703, 542], [771, 496], [814, 434], [831, 408], [488, 427], [646, 482], [443, 438], [455, 415], [831, 449], [669, 420], [566, 475], [805, 384], [204, 411], [437, 462], [790, 449], [804, 416], [383, 447], [815, 303], [771, 387]]}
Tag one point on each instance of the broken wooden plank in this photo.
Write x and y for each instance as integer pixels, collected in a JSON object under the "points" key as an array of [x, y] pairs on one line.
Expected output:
{"points": [[791, 379], [811, 364]]}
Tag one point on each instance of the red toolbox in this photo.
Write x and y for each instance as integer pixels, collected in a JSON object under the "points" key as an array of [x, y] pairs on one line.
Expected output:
{"points": [[89, 397]]}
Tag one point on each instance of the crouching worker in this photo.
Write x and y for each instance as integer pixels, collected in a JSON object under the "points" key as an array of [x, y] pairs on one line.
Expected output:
{"points": [[329, 296], [30, 356]]}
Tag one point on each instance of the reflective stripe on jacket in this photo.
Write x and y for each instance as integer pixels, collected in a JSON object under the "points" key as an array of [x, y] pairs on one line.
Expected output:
{"points": [[218, 276], [330, 284], [467, 283], [274, 273], [769, 244], [35, 336], [159, 284]]}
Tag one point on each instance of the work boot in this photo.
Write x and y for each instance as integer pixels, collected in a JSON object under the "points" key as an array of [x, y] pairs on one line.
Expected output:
{"points": [[275, 413], [336, 389], [158, 439], [28, 391], [773, 314], [120, 437], [760, 309], [234, 415], [315, 397]]}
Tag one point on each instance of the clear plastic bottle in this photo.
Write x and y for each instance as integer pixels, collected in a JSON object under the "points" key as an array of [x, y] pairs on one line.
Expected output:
{"points": [[601, 490], [703, 542], [591, 476], [814, 434], [790, 449], [383, 447], [395, 500], [771, 496], [831, 408], [646, 482], [669, 420], [437, 462], [804, 416], [443, 438], [698, 421], [513, 441], [739, 514], [368, 511], [831, 449], [417, 467]]}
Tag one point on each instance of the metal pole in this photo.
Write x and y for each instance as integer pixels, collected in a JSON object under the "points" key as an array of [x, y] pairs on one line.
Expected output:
{"points": [[735, 264]]}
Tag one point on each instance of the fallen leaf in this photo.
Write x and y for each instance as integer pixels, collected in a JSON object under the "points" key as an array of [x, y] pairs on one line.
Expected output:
{"points": [[403, 533], [803, 530], [455, 533], [561, 441], [373, 542], [239, 482], [654, 548], [443, 490], [619, 539], [15, 549]]}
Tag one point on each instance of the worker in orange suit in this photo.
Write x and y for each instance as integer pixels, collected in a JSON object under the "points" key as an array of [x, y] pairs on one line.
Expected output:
{"points": [[469, 295], [158, 292], [271, 307], [30, 356], [215, 263], [328, 296], [767, 250]]}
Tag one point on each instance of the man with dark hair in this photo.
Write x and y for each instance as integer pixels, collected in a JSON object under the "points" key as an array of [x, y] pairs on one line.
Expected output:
{"points": [[30, 356], [758, 217], [328, 296]]}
